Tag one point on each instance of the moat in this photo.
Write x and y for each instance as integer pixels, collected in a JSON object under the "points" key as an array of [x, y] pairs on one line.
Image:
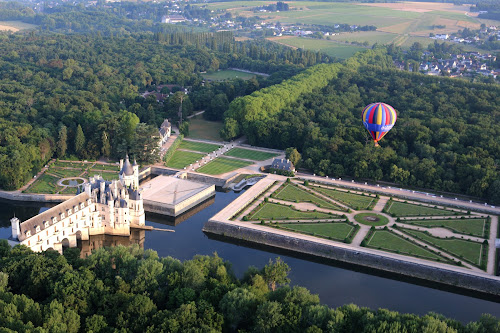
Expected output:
{"points": [[336, 284]]}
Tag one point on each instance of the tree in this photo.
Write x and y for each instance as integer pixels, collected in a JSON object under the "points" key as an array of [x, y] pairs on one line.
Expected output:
{"points": [[230, 130], [79, 140], [62, 143], [293, 155], [106, 147], [276, 273]]}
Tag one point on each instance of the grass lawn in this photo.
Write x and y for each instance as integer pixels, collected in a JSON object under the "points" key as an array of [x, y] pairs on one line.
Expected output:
{"points": [[464, 226], [371, 219], [109, 175], [337, 231], [65, 173], [227, 74], [355, 201], [294, 193], [180, 159], [107, 167], [44, 184], [69, 190], [471, 251], [406, 209], [279, 212], [250, 154], [200, 128], [198, 146], [222, 165], [386, 240]]}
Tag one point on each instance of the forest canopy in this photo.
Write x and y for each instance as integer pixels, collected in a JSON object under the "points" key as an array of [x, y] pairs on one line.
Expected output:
{"points": [[133, 290]]}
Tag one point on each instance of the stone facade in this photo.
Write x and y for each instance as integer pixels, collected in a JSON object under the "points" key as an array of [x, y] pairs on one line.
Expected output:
{"points": [[103, 207]]}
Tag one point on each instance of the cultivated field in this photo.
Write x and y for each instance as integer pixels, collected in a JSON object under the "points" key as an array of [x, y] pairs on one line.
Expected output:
{"points": [[331, 48]]}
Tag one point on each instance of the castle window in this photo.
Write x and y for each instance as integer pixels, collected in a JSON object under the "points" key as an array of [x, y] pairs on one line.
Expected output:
{"points": [[62, 216], [54, 220], [82, 205], [46, 223], [28, 234], [37, 228], [75, 208]]}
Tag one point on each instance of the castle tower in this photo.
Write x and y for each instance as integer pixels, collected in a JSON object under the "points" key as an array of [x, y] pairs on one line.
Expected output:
{"points": [[129, 175], [15, 227]]}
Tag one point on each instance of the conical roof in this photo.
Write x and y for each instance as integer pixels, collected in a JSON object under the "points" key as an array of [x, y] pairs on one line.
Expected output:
{"points": [[127, 168]]}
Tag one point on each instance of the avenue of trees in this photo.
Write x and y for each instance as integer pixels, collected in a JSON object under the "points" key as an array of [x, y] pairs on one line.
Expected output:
{"points": [[445, 137], [133, 290]]}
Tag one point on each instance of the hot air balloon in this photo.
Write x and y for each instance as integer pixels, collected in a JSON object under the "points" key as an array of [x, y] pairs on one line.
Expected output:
{"points": [[378, 119]]}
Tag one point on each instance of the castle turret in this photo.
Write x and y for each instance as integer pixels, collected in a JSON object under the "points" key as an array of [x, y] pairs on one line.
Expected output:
{"points": [[15, 227]]}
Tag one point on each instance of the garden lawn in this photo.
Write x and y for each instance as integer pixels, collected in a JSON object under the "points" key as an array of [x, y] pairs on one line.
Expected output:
{"points": [[200, 128], [198, 146], [109, 175], [386, 240], [405, 209], [249, 154], [181, 159], [65, 173], [355, 201], [337, 231], [471, 251], [279, 212], [222, 165], [107, 167], [294, 193], [44, 184], [474, 227], [227, 74]]}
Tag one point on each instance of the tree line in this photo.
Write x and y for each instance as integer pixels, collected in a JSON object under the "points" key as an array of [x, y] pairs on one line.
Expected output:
{"points": [[133, 290]]}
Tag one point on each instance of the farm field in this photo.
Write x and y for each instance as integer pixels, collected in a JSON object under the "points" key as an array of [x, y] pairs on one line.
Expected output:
{"points": [[200, 128], [293, 193], [198, 146], [181, 159], [352, 200], [338, 231], [280, 212], [227, 74], [250, 154], [471, 251], [15, 26], [384, 239], [405, 209], [331, 48], [222, 165], [474, 227]]}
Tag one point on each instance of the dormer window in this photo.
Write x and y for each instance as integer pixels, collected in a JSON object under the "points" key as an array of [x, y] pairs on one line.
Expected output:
{"points": [[69, 212], [54, 220], [37, 228], [28, 233], [46, 224], [62, 216], [82, 205], [75, 208]]}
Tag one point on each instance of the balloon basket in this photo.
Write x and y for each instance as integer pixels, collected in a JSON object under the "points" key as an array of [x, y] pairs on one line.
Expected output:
{"points": [[376, 144]]}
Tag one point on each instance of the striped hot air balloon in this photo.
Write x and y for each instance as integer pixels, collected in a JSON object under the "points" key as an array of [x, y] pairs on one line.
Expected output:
{"points": [[378, 119]]}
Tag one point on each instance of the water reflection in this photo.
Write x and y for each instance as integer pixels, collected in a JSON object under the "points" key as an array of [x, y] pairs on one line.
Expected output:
{"points": [[96, 242], [174, 221]]}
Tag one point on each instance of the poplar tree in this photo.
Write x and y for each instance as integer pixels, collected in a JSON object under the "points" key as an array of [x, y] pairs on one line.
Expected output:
{"points": [[62, 143], [79, 140]]}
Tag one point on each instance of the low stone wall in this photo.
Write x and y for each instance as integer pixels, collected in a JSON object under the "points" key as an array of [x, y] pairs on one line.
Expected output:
{"points": [[206, 179], [18, 196], [441, 275]]}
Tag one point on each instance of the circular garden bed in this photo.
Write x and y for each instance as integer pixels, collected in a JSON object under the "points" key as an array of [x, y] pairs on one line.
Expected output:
{"points": [[371, 219]]}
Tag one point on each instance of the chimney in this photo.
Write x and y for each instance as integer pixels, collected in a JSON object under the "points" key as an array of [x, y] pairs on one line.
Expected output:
{"points": [[121, 164], [15, 227]]}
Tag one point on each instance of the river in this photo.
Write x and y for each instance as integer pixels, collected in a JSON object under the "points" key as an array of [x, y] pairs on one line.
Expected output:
{"points": [[336, 284]]}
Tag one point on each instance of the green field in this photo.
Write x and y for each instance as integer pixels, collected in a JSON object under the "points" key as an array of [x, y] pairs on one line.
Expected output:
{"points": [[331, 48], [364, 218], [65, 173], [250, 154], [280, 212], [474, 227], [44, 184], [405, 209], [227, 74], [198, 146], [222, 165], [470, 251], [181, 159], [16, 26], [355, 201], [337, 231], [110, 175], [387, 240], [294, 193], [106, 167], [200, 128]]}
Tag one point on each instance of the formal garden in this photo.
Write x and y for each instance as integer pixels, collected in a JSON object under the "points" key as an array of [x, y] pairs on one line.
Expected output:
{"points": [[353, 200], [181, 159], [293, 193], [222, 165]]}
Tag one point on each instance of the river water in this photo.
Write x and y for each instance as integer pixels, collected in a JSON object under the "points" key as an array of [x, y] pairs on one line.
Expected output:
{"points": [[337, 284]]}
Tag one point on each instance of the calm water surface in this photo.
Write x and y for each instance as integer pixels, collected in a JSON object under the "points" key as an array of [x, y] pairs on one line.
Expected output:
{"points": [[335, 283]]}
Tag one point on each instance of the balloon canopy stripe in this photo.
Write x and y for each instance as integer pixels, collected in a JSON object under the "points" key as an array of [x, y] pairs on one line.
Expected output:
{"points": [[378, 119]]}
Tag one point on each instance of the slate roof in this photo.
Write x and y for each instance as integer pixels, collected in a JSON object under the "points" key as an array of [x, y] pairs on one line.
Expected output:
{"points": [[282, 164], [127, 168]]}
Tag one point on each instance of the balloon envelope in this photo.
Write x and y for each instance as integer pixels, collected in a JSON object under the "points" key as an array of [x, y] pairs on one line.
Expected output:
{"points": [[378, 119]]}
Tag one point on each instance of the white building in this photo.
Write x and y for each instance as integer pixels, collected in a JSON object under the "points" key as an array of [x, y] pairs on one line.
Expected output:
{"points": [[173, 19], [104, 207], [165, 131]]}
